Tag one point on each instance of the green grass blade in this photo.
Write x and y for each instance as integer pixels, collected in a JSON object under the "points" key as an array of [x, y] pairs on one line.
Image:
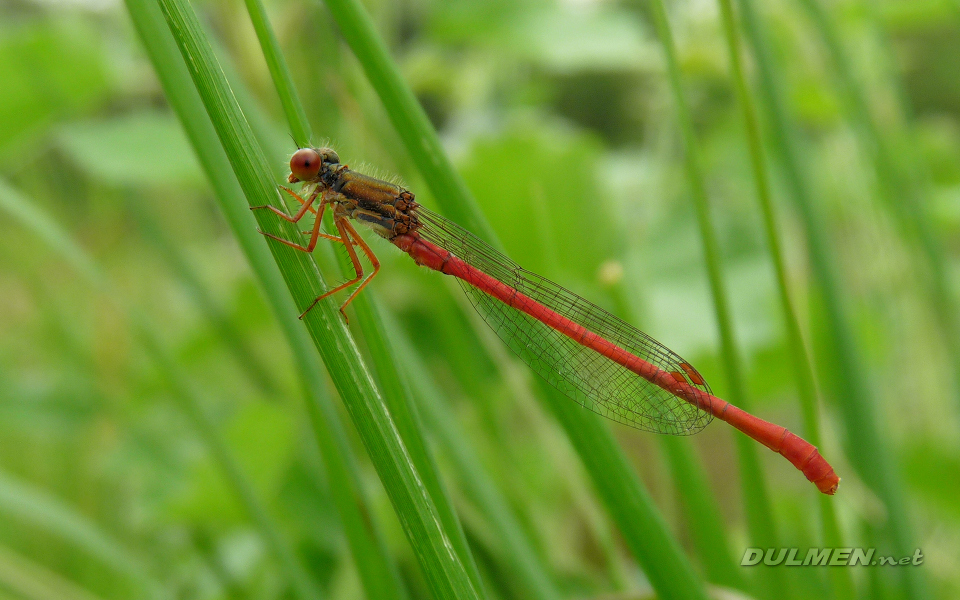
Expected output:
{"points": [[755, 493], [374, 564], [395, 393], [400, 403], [641, 525], [701, 508], [38, 222], [865, 448], [443, 570], [188, 401], [32, 581], [518, 550], [806, 382], [292, 107], [451, 194], [702, 512], [903, 200], [643, 529], [191, 404]]}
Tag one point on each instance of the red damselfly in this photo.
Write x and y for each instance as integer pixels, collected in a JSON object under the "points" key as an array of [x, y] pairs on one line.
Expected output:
{"points": [[595, 358]]}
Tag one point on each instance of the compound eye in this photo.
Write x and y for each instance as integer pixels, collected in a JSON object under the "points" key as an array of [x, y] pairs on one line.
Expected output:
{"points": [[330, 156], [305, 164]]}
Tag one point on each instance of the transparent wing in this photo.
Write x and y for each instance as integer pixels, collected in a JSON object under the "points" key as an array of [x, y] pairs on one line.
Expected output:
{"points": [[593, 380]]}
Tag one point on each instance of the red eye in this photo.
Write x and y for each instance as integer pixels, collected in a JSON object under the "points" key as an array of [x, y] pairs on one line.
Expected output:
{"points": [[305, 164]]}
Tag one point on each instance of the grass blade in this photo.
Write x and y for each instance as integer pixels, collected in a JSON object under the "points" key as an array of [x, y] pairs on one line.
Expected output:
{"points": [[282, 82], [395, 393], [32, 581], [45, 512], [399, 401], [701, 510], [627, 501], [755, 492], [235, 342], [366, 541], [806, 382], [903, 200], [444, 572], [518, 550], [408, 117], [865, 447], [642, 526]]}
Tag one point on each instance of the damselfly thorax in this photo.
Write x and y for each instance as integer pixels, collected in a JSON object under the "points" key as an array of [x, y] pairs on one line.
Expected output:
{"points": [[386, 208]]}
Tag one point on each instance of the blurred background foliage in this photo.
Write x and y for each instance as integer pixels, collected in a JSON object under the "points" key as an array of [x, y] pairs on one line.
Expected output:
{"points": [[559, 116]]}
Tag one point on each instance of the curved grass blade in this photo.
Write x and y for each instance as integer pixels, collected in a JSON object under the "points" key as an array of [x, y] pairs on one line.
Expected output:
{"points": [[232, 339], [26, 504], [444, 572], [33, 581], [367, 544], [395, 393]]}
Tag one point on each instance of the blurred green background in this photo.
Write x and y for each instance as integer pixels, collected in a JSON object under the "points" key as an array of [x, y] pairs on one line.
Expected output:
{"points": [[559, 116]]}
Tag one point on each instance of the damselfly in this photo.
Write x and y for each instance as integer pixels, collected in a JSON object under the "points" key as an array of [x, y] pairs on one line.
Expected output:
{"points": [[595, 358]]}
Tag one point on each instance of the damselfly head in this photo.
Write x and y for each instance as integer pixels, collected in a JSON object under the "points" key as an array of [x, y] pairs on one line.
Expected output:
{"points": [[306, 163]]}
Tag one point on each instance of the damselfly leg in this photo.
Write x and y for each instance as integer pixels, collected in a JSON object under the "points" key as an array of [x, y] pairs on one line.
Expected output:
{"points": [[306, 205], [349, 237]]}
